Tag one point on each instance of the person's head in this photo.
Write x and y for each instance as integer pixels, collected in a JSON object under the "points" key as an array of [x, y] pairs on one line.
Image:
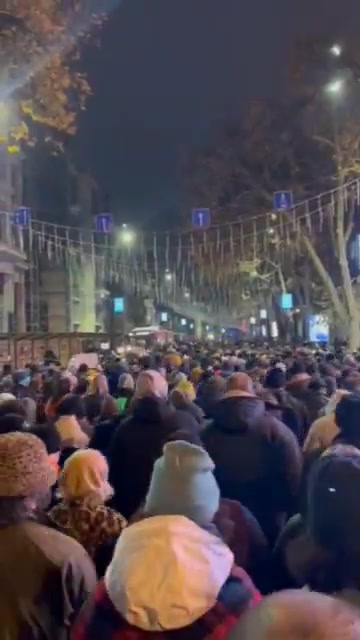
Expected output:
{"points": [[318, 385], [347, 414], [62, 388], [81, 387], [298, 615], [352, 383], [9, 404], [11, 422], [186, 390], [184, 582], [275, 379], [151, 384], [126, 382], [70, 420], [241, 384], [49, 435], [26, 476], [333, 517], [93, 406], [85, 476], [298, 368], [183, 483]]}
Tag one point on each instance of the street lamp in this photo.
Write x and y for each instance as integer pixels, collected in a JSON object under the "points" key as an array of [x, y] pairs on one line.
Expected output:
{"points": [[168, 276], [126, 236], [336, 50], [335, 87]]}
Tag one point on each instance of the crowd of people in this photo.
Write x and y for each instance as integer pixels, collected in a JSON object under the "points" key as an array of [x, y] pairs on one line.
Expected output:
{"points": [[194, 493]]}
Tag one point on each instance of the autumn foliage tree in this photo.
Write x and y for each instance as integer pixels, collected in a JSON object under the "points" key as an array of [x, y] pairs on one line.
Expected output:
{"points": [[40, 81], [309, 142]]}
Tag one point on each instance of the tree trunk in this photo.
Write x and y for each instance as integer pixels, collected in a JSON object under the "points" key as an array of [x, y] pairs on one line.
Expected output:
{"points": [[354, 332]]}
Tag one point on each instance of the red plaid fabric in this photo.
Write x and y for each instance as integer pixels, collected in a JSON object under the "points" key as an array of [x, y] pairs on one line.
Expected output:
{"points": [[99, 618]]}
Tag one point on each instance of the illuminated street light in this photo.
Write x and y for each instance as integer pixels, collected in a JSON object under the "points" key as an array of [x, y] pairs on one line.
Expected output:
{"points": [[168, 276], [335, 87], [127, 236], [187, 294], [336, 50]]}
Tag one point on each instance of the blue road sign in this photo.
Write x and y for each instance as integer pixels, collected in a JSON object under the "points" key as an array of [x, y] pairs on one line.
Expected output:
{"points": [[201, 218], [282, 200], [22, 216], [103, 223]]}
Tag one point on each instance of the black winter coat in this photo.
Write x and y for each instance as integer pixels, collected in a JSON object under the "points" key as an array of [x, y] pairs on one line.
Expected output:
{"points": [[258, 460], [137, 443]]}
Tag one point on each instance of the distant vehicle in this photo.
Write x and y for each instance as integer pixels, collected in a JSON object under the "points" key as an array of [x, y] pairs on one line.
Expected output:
{"points": [[152, 334]]}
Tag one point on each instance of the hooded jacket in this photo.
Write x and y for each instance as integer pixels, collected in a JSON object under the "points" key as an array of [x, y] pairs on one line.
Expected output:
{"points": [[138, 441], [168, 578], [257, 458]]}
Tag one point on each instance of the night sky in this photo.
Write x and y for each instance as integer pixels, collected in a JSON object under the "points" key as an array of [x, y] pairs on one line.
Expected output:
{"points": [[168, 72]]}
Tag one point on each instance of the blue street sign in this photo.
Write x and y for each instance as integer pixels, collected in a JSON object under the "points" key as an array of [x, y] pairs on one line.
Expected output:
{"points": [[22, 216], [201, 218], [103, 223], [282, 200]]}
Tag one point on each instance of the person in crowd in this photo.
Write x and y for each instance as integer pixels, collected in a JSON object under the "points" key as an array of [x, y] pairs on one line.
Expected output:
{"points": [[82, 513], [298, 615], [139, 439], [124, 392], [294, 413], [45, 576], [323, 431], [257, 458], [210, 390], [317, 387], [192, 590], [183, 483], [319, 548], [298, 387], [61, 389], [12, 422], [347, 419], [10, 404], [30, 409], [72, 424], [183, 398]]}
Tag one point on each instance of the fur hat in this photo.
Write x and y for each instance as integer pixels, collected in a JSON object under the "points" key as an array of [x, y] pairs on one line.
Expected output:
{"points": [[183, 483], [151, 383], [25, 469]]}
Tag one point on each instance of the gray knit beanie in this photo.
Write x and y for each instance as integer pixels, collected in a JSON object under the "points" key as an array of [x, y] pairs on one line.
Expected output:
{"points": [[183, 483]]}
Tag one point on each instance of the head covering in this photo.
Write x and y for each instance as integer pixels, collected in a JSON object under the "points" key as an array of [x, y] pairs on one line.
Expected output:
{"points": [[6, 397], [126, 381], [176, 377], [185, 566], [183, 483], [239, 384], [85, 474], [70, 432], [151, 383], [186, 389], [298, 614], [347, 414], [333, 513], [25, 469], [195, 375], [275, 379]]}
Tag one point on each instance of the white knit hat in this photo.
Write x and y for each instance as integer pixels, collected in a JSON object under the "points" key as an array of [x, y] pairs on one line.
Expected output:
{"points": [[183, 483]]}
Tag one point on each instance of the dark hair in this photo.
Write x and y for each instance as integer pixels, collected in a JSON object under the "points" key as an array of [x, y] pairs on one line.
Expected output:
{"points": [[93, 406], [49, 435], [11, 422], [297, 367], [316, 384], [62, 388], [71, 405], [13, 407], [81, 387], [83, 368], [347, 413]]}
